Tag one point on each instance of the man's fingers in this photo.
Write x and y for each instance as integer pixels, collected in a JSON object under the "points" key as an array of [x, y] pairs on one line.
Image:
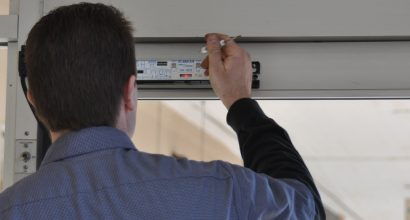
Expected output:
{"points": [[219, 35], [214, 53], [217, 53], [231, 48], [205, 63]]}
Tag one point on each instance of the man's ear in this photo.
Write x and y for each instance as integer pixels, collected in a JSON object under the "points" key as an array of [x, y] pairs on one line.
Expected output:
{"points": [[130, 93], [30, 98]]}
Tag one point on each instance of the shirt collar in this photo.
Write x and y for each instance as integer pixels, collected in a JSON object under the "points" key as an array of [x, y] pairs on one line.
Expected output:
{"points": [[86, 141]]}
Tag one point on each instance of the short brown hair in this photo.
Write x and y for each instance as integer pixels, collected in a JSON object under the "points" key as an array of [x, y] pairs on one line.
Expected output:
{"points": [[79, 58]]}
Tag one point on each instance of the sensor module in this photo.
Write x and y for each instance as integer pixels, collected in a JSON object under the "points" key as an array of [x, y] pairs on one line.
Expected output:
{"points": [[178, 74]]}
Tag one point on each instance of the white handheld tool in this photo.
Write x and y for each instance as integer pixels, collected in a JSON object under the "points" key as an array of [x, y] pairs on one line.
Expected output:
{"points": [[222, 43]]}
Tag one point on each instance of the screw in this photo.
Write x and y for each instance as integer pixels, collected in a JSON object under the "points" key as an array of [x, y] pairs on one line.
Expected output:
{"points": [[26, 133], [25, 156], [25, 167]]}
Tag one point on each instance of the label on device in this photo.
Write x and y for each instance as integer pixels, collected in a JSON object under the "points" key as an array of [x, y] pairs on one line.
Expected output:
{"points": [[170, 70], [178, 74]]}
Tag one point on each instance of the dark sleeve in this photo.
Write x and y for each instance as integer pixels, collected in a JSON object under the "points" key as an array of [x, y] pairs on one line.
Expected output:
{"points": [[266, 147]]}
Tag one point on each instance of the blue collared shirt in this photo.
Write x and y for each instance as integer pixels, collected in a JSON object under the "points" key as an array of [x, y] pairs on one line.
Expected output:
{"points": [[97, 173]]}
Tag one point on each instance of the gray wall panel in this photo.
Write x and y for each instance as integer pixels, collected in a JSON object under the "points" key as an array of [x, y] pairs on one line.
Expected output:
{"points": [[263, 18]]}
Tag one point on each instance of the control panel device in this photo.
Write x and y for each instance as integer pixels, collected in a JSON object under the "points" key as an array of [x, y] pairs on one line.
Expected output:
{"points": [[178, 74]]}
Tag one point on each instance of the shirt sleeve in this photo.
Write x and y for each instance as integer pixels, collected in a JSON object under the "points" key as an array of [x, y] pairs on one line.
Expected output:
{"points": [[266, 148]]}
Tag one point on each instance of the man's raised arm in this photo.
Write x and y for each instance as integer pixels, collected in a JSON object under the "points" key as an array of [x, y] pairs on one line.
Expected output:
{"points": [[265, 146]]}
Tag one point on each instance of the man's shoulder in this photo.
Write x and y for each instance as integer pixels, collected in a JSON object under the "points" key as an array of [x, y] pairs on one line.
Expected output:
{"points": [[24, 191], [179, 167]]}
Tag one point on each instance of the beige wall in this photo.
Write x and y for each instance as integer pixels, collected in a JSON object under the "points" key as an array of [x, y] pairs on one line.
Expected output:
{"points": [[162, 130], [4, 7]]}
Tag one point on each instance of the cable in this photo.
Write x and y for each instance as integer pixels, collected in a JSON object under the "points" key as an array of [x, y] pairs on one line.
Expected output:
{"points": [[23, 75]]}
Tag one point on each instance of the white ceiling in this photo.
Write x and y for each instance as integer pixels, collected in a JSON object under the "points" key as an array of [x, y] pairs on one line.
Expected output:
{"points": [[357, 150]]}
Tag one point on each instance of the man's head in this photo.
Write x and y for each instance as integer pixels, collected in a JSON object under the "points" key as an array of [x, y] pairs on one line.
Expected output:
{"points": [[81, 68]]}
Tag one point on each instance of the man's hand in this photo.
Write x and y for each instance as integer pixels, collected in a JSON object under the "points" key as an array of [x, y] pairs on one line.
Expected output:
{"points": [[229, 69]]}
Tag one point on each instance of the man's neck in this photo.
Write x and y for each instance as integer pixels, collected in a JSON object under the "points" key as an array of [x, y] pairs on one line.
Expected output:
{"points": [[57, 134], [54, 135]]}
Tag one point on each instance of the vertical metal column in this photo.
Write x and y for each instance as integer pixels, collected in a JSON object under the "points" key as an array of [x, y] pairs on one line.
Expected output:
{"points": [[21, 127]]}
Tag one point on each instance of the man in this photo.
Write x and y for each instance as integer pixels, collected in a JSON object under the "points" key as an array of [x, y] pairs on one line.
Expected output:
{"points": [[81, 73]]}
